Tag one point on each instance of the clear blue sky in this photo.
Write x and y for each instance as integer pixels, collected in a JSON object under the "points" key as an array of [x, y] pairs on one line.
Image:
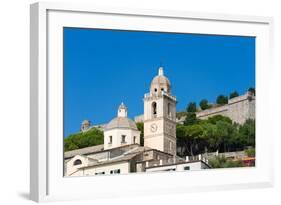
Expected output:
{"points": [[103, 68]]}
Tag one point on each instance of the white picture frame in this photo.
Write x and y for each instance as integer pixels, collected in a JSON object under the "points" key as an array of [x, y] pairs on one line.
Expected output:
{"points": [[46, 151]]}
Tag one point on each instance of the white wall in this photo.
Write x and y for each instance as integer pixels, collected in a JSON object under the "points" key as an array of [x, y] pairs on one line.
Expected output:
{"points": [[14, 103], [123, 166], [194, 166], [117, 137]]}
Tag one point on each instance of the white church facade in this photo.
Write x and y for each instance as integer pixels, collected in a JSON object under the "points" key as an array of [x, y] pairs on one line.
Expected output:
{"points": [[122, 153]]}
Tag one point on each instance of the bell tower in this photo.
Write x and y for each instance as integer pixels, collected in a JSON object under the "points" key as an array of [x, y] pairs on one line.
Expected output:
{"points": [[160, 115]]}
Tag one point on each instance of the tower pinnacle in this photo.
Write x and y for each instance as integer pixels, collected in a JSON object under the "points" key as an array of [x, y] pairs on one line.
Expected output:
{"points": [[161, 71]]}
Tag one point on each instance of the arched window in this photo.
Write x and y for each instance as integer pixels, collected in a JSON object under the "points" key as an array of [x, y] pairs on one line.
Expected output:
{"points": [[134, 140], [154, 109], [169, 110], [77, 162], [170, 146]]}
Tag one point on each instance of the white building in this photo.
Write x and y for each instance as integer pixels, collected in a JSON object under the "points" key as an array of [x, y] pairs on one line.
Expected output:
{"points": [[121, 131], [122, 153]]}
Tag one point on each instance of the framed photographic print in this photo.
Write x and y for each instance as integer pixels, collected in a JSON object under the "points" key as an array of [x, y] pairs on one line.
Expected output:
{"points": [[147, 101]]}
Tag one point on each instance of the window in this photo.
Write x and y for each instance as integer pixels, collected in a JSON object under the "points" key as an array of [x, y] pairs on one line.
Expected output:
{"points": [[171, 145], [123, 140], [154, 109], [162, 89], [99, 173], [169, 110], [134, 140], [77, 162], [186, 168], [155, 90], [171, 169], [110, 140], [116, 171]]}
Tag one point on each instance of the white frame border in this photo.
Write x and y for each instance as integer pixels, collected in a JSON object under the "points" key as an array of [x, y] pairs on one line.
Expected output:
{"points": [[39, 175]]}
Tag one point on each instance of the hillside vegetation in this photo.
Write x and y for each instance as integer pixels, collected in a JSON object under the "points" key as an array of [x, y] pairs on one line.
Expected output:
{"points": [[83, 139]]}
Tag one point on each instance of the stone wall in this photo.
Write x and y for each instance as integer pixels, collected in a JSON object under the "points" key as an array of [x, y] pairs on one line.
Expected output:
{"points": [[239, 109]]}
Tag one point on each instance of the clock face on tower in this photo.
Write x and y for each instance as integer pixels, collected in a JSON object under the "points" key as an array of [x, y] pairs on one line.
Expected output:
{"points": [[153, 127]]}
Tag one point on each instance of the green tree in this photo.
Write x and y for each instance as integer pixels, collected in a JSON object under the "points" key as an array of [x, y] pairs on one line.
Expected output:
{"points": [[251, 152], [204, 104], [233, 95], [252, 90], [190, 118], [140, 128], [216, 133], [222, 162], [247, 132], [181, 139], [222, 100], [211, 141], [191, 107], [193, 134], [80, 140], [216, 118]]}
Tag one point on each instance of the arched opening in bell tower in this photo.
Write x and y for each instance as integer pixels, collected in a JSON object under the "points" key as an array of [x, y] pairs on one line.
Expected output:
{"points": [[154, 109], [169, 110]]}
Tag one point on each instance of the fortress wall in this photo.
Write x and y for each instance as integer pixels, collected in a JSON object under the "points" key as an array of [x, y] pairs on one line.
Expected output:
{"points": [[239, 109], [205, 114]]}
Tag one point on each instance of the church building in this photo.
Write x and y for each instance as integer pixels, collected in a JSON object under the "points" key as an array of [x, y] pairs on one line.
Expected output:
{"points": [[122, 152], [121, 130]]}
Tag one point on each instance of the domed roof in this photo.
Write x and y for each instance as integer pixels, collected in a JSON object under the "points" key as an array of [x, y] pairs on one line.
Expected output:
{"points": [[121, 122], [160, 82]]}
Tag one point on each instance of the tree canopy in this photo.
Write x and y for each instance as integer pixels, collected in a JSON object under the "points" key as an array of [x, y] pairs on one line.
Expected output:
{"points": [[80, 140], [222, 162], [204, 104], [222, 100], [191, 107], [215, 133], [233, 94], [252, 90]]}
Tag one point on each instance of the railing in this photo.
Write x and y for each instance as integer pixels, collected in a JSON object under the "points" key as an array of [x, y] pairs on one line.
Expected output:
{"points": [[163, 93], [207, 156]]}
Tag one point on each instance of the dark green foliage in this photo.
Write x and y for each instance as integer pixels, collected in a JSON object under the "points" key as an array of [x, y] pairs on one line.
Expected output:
{"points": [[191, 107], [222, 162], [251, 152], [83, 139], [216, 133], [217, 118], [233, 95], [204, 104], [222, 100], [190, 118], [252, 90], [140, 128], [248, 132], [191, 114]]}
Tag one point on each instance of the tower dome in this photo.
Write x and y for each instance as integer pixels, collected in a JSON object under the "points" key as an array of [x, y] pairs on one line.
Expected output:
{"points": [[121, 121], [160, 83]]}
